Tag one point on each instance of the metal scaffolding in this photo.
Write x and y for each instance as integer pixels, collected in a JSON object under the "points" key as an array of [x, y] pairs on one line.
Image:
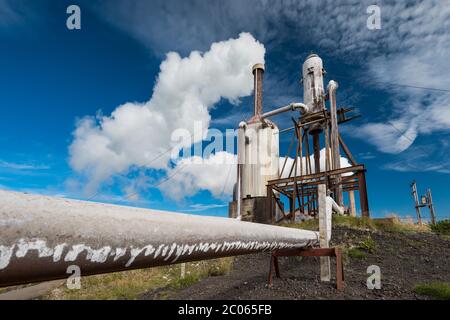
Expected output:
{"points": [[298, 182]]}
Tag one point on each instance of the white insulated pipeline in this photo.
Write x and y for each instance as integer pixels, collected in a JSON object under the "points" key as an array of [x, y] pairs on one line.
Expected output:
{"points": [[41, 236], [290, 107]]}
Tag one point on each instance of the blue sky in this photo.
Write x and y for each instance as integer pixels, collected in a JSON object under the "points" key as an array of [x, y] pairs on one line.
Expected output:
{"points": [[52, 77]]}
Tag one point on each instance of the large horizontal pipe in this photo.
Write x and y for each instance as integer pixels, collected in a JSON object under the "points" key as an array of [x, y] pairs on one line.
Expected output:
{"points": [[41, 236], [290, 107]]}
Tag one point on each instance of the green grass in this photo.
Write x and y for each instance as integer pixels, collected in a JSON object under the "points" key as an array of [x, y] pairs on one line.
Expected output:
{"points": [[131, 284], [442, 227], [438, 290], [368, 245], [312, 224], [391, 224], [361, 250], [353, 222], [356, 253]]}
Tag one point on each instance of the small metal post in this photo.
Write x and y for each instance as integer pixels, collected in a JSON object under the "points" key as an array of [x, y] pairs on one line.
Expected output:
{"points": [[325, 265], [339, 269], [416, 201], [351, 197], [316, 147], [364, 202], [431, 207], [270, 203]]}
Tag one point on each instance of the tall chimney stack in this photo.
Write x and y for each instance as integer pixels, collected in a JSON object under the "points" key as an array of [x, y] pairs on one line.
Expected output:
{"points": [[258, 74]]}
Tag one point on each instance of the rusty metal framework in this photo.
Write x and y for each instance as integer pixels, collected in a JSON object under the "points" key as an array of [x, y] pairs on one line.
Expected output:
{"points": [[308, 252], [425, 201], [298, 182]]}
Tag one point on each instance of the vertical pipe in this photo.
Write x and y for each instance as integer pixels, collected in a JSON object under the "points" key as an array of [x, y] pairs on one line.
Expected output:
{"points": [[316, 146], [334, 138], [258, 74], [269, 204], [416, 202], [430, 205], [307, 154], [327, 149], [300, 142], [351, 197], [240, 165], [324, 231]]}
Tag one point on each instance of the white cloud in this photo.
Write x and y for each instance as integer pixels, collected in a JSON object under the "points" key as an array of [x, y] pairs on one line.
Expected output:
{"points": [[290, 162], [423, 158], [412, 47], [15, 13], [163, 25], [8, 15], [216, 174], [22, 166], [414, 111], [389, 138], [136, 133]]}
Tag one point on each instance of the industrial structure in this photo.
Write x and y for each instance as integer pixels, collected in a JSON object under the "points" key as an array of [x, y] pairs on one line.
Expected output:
{"points": [[42, 237], [267, 184], [425, 201]]}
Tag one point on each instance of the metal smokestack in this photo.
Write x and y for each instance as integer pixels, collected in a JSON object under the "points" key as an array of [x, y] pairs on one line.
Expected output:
{"points": [[258, 74]]}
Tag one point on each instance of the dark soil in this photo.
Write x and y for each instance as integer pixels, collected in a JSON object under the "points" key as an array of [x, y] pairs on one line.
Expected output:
{"points": [[405, 259]]}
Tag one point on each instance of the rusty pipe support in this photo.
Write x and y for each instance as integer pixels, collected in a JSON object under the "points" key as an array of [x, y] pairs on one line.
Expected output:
{"points": [[41, 236]]}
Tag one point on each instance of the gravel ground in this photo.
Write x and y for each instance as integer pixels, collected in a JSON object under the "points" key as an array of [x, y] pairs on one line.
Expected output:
{"points": [[405, 259]]}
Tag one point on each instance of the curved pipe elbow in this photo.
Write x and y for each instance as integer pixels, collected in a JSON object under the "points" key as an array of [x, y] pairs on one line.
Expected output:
{"points": [[332, 86], [297, 105], [242, 124]]}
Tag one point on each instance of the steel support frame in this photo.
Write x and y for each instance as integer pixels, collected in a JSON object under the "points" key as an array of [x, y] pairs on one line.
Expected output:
{"points": [[296, 188], [308, 252]]}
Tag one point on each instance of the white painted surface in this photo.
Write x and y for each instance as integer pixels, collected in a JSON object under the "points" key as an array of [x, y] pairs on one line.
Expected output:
{"points": [[260, 158], [324, 231], [63, 231], [313, 88]]}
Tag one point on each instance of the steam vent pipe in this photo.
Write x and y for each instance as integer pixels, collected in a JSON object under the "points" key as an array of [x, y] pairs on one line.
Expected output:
{"points": [[258, 74], [41, 236]]}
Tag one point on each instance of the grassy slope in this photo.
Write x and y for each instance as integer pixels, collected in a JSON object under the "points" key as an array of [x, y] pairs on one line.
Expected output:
{"points": [[438, 290], [388, 224]]}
